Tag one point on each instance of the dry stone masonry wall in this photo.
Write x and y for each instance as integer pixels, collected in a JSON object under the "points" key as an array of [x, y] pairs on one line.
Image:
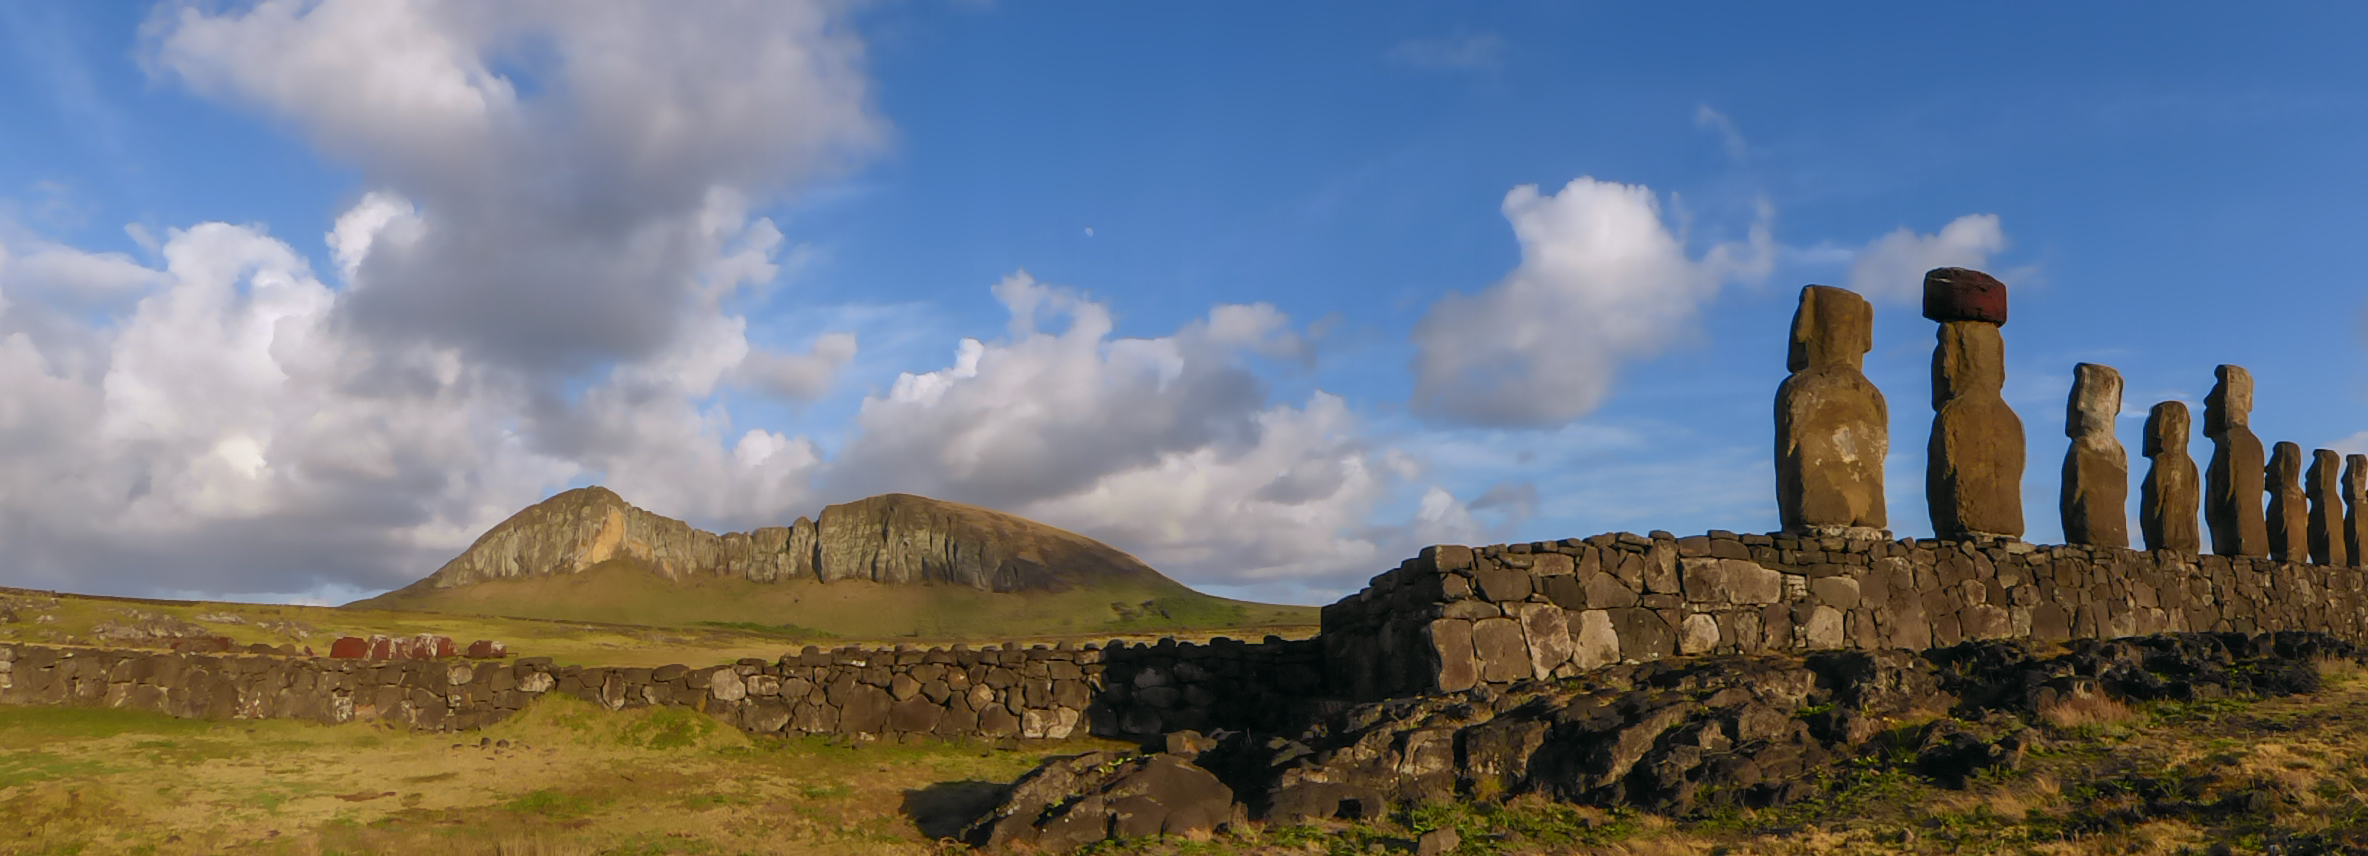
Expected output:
{"points": [[1006, 691], [1457, 617]]}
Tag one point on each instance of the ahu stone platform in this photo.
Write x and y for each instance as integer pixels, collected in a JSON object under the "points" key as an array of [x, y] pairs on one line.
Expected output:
{"points": [[1457, 617]]}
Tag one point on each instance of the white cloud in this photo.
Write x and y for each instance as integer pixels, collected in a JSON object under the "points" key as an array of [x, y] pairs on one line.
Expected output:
{"points": [[1465, 51], [1165, 446], [1602, 280], [1892, 267], [577, 171], [1713, 120]]}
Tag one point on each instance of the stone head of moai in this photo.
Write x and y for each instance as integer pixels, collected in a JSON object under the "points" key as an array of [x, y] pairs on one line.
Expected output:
{"points": [[2230, 403], [2095, 402], [1834, 328], [2167, 427]]}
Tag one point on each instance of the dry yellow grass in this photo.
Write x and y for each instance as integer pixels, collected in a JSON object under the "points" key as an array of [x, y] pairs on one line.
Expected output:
{"points": [[2085, 712], [572, 779]]}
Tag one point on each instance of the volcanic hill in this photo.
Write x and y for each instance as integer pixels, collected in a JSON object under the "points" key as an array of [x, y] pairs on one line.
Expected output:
{"points": [[894, 565]]}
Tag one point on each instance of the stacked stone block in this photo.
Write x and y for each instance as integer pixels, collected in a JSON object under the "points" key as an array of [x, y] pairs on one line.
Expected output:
{"points": [[1458, 617], [1006, 691]]}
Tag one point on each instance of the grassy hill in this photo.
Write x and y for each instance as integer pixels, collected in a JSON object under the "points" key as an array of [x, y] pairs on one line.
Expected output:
{"points": [[627, 591]]}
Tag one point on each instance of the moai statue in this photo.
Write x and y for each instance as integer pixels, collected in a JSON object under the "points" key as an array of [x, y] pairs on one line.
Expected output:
{"points": [[1974, 469], [2289, 520], [2233, 485], [2355, 516], [2096, 468], [1832, 428], [2327, 545], [2167, 502]]}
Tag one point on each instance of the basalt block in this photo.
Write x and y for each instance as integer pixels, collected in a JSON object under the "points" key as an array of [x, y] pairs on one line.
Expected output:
{"points": [[1832, 424], [2325, 486], [2168, 500], [2236, 480], [2096, 467], [2289, 518], [1974, 466]]}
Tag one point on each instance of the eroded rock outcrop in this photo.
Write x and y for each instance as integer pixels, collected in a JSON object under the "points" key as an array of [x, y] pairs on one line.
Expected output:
{"points": [[892, 538], [1682, 737]]}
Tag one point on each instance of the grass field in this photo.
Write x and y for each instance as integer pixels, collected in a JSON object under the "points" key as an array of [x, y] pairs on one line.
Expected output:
{"points": [[625, 592], [564, 777], [574, 779], [699, 637]]}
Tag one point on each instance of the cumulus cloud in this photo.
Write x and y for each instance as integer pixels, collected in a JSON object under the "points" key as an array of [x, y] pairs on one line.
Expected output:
{"points": [[536, 288], [1892, 267], [1602, 280], [576, 170], [1167, 445]]}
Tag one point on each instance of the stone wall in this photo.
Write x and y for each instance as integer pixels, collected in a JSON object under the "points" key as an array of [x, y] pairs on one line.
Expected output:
{"points": [[1455, 617], [1005, 691]]}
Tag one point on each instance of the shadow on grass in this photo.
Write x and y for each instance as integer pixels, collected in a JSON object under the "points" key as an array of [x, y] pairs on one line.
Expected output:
{"points": [[942, 809]]}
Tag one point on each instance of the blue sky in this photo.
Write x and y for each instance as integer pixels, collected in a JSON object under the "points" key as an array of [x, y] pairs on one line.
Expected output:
{"points": [[297, 298]]}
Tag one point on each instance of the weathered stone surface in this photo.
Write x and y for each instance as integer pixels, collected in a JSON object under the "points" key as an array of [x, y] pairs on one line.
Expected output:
{"points": [[2289, 516], [1963, 294], [1504, 656], [892, 538], [1071, 802], [1595, 643], [2096, 485], [1974, 464], [1542, 626], [2234, 483], [2327, 545], [2168, 502], [901, 538], [1833, 428], [1698, 634], [1736, 581], [2355, 508], [1451, 648]]}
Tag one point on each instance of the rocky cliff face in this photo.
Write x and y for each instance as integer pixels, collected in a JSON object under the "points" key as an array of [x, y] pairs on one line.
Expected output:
{"points": [[892, 538]]}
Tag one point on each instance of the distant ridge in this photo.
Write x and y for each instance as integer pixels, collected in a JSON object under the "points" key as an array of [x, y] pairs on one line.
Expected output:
{"points": [[893, 538]]}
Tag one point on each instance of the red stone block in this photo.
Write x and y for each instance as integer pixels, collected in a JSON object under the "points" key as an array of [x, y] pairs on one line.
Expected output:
{"points": [[382, 648], [1964, 294], [443, 648], [487, 649]]}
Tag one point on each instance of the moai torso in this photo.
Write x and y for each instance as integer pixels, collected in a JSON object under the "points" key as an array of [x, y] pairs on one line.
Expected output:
{"points": [[1974, 469], [2234, 484], [1833, 429], [2355, 518], [2167, 503], [2324, 481], [2096, 467], [2289, 519]]}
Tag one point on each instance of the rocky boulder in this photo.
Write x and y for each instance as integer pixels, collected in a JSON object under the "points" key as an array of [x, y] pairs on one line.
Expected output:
{"points": [[1675, 737]]}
